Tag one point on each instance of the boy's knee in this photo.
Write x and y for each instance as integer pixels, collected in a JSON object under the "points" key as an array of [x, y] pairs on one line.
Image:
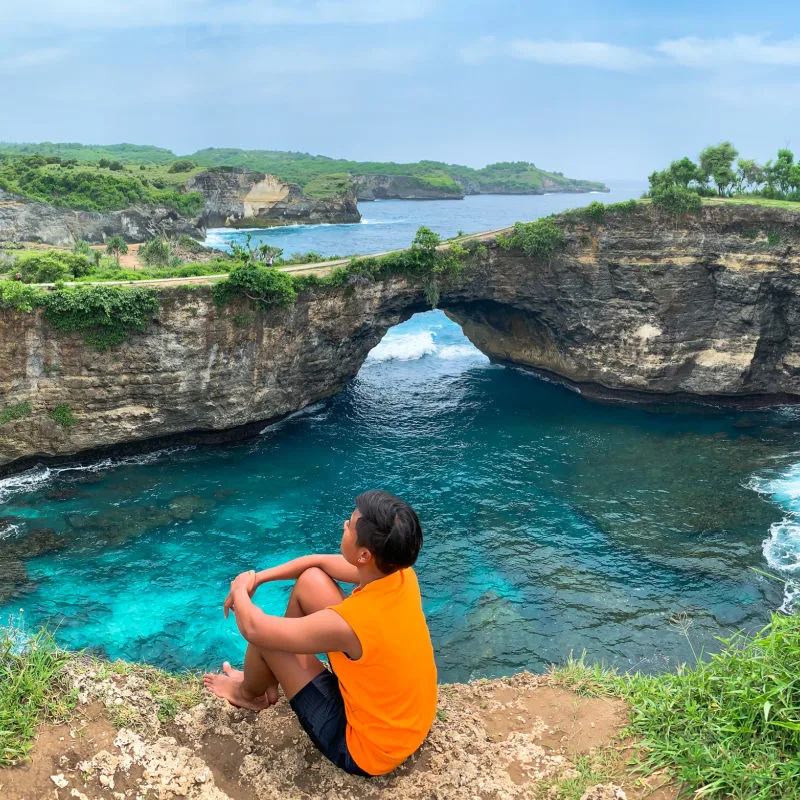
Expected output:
{"points": [[313, 576]]}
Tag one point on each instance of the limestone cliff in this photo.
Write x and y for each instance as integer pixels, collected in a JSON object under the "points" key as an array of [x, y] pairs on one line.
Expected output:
{"points": [[246, 199], [399, 187], [642, 306], [25, 220], [233, 197]]}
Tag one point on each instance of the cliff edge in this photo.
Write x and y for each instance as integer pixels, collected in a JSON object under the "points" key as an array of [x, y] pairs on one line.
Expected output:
{"points": [[138, 733]]}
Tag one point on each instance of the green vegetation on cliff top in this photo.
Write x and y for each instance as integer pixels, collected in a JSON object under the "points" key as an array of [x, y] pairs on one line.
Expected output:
{"points": [[104, 186], [318, 176], [719, 173]]}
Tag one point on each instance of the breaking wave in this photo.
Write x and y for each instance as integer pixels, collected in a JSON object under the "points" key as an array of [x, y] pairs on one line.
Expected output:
{"points": [[413, 346], [39, 477], [782, 548]]}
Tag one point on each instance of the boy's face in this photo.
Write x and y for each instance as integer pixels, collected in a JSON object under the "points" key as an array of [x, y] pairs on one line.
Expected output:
{"points": [[353, 554]]}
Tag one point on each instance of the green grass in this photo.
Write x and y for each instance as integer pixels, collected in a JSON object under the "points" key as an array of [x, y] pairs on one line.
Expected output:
{"points": [[752, 200], [729, 726], [32, 690]]}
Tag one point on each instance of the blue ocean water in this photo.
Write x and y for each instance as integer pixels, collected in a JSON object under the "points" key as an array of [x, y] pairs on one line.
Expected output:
{"points": [[391, 224], [552, 524]]}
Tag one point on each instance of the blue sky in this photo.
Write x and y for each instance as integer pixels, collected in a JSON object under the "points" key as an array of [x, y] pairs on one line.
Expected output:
{"points": [[594, 89]]}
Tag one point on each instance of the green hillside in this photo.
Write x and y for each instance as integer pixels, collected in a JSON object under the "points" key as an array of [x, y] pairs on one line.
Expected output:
{"points": [[102, 186], [89, 153], [302, 167], [156, 168]]}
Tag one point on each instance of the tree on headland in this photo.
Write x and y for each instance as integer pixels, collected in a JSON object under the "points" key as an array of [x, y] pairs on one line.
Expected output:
{"points": [[779, 172], [716, 164], [750, 173], [116, 246], [715, 175], [683, 172]]}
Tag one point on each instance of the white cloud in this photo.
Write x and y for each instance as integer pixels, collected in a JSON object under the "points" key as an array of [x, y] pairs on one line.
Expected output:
{"points": [[480, 51], [601, 55], [691, 51], [100, 14], [30, 59]]}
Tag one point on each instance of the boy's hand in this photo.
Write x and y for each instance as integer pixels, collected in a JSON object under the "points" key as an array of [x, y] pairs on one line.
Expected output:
{"points": [[245, 580]]}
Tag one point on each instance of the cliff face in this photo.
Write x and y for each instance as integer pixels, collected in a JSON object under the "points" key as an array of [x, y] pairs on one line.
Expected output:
{"points": [[24, 220], [399, 187], [548, 186], [233, 198], [246, 199], [640, 307]]}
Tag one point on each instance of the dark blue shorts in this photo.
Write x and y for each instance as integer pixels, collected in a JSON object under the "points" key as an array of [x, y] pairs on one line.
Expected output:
{"points": [[320, 709]]}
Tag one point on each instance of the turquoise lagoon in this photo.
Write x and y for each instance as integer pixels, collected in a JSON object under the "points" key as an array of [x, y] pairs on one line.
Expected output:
{"points": [[552, 524]]}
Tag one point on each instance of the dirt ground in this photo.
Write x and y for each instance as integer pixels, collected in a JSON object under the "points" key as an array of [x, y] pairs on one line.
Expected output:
{"points": [[492, 740]]}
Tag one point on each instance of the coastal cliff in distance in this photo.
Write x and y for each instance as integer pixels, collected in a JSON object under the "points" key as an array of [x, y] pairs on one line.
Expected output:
{"points": [[639, 306], [230, 198], [236, 198], [26, 220], [403, 187]]}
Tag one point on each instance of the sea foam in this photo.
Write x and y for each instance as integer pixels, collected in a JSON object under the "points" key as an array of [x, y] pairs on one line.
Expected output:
{"points": [[782, 548], [416, 345], [38, 477]]}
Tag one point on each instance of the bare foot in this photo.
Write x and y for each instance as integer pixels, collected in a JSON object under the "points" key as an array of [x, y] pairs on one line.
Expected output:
{"points": [[229, 687], [238, 675]]}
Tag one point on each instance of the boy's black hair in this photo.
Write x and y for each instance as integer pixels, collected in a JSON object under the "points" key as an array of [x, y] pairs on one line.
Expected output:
{"points": [[389, 528]]}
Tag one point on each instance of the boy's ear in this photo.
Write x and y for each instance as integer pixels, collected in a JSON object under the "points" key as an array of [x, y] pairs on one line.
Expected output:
{"points": [[364, 556]]}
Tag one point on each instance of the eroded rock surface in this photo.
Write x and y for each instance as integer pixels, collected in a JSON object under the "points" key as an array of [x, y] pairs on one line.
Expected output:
{"points": [[642, 307], [499, 739], [25, 220], [246, 199]]}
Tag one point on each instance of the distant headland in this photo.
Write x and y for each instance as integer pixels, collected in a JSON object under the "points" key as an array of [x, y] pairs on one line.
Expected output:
{"points": [[55, 193]]}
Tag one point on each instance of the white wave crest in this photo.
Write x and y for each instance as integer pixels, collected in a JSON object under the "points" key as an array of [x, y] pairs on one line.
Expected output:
{"points": [[782, 548], [413, 346], [10, 531], [38, 477], [403, 347]]}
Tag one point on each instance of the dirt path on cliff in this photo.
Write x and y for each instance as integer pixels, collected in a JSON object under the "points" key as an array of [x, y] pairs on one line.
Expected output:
{"points": [[508, 739], [321, 268]]}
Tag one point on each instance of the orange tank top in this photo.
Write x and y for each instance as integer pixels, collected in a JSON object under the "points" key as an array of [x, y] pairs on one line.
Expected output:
{"points": [[390, 692]]}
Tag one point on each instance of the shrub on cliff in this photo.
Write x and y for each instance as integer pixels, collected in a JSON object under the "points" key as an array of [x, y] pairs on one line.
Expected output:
{"points": [[48, 266], [181, 165], [104, 314], [676, 199], [539, 239], [155, 252], [267, 287], [17, 296]]}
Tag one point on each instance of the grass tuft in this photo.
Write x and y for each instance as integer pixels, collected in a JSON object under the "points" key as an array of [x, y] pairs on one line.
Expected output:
{"points": [[32, 689], [727, 727], [730, 726]]}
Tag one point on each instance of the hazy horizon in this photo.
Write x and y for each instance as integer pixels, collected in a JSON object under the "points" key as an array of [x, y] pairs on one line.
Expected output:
{"points": [[607, 94]]}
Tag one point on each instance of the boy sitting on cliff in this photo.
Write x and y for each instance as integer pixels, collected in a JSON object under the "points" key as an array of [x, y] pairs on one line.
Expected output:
{"points": [[376, 706]]}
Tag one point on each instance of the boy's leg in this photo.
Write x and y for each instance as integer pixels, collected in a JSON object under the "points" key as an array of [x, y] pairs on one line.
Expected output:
{"points": [[256, 687]]}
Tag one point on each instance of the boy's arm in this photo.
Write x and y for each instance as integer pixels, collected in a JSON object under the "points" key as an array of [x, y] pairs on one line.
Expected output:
{"points": [[322, 632], [333, 565]]}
